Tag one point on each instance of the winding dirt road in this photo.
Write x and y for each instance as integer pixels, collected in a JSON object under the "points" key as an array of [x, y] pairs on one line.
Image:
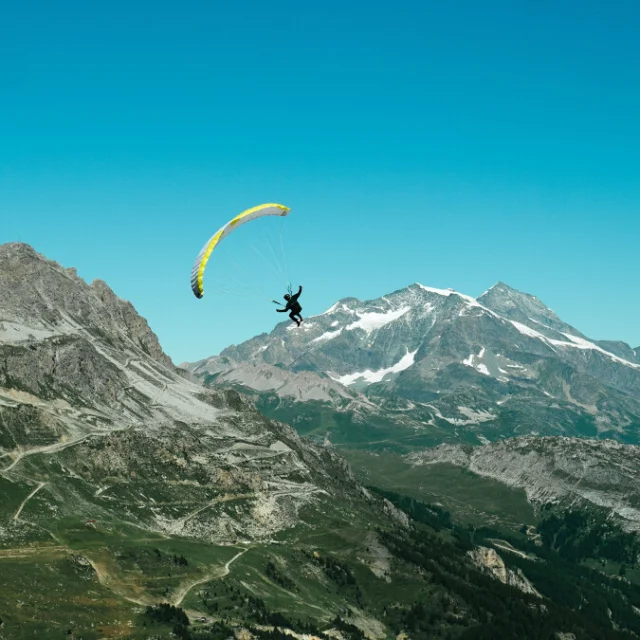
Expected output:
{"points": [[181, 593]]}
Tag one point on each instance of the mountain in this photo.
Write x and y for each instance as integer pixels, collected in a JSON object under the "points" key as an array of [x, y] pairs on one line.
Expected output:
{"points": [[136, 503], [122, 475], [84, 381], [421, 365]]}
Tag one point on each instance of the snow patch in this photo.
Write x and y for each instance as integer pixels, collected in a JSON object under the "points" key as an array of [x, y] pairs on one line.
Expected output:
{"points": [[440, 292], [472, 302], [305, 326], [377, 376], [375, 320], [482, 368], [329, 335], [528, 331], [331, 309], [574, 342], [338, 306]]}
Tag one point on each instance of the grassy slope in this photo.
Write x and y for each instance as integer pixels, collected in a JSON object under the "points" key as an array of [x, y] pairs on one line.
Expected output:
{"points": [[472, 499]]}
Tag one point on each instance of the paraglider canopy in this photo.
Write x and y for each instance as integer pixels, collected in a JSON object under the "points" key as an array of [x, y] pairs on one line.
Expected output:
{"points": [[197, 272]]}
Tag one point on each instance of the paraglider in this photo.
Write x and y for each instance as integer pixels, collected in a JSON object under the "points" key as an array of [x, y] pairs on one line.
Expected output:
{"points": [[197, 272], [294, 306]]}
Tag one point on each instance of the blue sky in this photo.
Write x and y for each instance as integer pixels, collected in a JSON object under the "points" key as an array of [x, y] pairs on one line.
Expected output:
{"points": [[454, 144]]}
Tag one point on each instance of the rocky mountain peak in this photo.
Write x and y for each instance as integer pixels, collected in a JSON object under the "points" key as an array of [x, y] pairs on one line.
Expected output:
{"points": [[523, 307], [42, 298], [84, 383], [442, 359]]}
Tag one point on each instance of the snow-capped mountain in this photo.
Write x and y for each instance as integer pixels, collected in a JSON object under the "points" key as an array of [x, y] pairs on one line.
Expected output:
{"points": [[499, 365], [112, 460]]}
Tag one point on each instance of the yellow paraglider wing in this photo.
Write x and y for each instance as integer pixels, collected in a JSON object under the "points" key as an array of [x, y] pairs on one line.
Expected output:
{"points": [[197, 273]]}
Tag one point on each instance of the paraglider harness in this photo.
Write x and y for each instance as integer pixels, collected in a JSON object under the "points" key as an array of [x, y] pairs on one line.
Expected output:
{"points": [[292, 302]]}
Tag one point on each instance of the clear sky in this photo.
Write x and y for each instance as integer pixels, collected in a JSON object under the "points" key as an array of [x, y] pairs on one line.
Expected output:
{"points": [[450, 143]]}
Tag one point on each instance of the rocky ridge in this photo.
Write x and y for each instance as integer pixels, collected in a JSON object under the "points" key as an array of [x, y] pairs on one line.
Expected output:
{"points": [[98, 419]]}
